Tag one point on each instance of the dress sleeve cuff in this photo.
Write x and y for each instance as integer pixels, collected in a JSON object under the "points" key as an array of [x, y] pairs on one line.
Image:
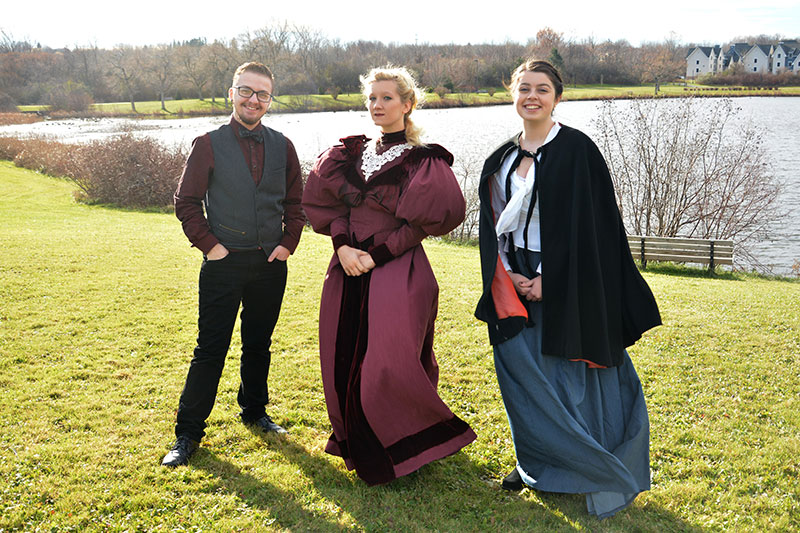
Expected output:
{"points": [[339, 241], [381, 254]]}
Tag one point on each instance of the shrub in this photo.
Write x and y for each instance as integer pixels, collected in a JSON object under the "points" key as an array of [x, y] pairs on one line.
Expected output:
{"points": [[129, 172], [18, 118], [737, 77], [7, 103], [70, 97], [335, 92], [45, 156], [441, 91], [123, 170], [10, 147]]}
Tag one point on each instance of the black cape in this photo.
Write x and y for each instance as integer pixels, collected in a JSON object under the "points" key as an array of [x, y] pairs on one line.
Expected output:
{"points": [[595, 301]]}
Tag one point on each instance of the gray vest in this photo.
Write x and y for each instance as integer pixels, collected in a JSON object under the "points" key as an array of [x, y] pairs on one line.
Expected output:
{"points": [[244, 216]]}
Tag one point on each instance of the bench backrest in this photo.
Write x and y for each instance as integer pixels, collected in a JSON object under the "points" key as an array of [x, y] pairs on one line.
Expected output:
{"points": [[681, 250]]}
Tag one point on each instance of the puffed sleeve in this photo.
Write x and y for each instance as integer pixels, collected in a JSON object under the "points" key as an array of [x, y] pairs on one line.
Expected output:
{"points": [[431, 204], [323, 204]]}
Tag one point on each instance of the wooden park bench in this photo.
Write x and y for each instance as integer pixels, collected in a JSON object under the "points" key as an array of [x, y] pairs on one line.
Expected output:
{"points": [[709, 252]]}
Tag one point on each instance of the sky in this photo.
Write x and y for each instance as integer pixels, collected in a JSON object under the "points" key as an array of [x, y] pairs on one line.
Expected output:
{"points": [[57, 23]]}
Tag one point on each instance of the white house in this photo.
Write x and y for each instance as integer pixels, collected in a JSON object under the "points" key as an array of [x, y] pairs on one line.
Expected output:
{"points": [[780, 56], [714, 62], [735, 54], [756, 59], [698, 61], [785, 57], [759, 58]]}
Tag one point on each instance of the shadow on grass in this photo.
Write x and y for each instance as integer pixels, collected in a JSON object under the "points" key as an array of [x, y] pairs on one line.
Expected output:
{"points": [[647, 518], [285, 508], [454, 494]]}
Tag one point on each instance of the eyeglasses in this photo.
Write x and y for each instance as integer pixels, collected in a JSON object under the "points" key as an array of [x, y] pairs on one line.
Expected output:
{"points": [[246, 92]]}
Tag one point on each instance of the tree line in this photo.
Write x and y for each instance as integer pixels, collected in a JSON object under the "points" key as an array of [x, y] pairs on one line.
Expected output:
{"points": [[306, 61]]}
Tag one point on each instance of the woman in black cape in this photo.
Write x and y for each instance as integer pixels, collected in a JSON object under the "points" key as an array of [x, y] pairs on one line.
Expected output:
{"points": [[563, 298]]}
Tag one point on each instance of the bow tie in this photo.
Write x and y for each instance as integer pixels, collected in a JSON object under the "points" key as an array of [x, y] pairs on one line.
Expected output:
{"points": [[256, 134]]}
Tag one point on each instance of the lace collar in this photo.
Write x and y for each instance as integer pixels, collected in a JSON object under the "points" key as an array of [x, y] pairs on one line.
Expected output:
{"points": [[371, 161]]}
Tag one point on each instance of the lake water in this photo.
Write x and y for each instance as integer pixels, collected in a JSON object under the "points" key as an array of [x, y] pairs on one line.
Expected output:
{"points": [[471, 133]]}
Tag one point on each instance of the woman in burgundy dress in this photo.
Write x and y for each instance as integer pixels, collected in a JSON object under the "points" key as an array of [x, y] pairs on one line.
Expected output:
{"points": [[378, 200]]}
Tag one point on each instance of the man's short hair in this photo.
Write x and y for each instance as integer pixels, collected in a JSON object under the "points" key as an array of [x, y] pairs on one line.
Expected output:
{"points": [[253, 66]]}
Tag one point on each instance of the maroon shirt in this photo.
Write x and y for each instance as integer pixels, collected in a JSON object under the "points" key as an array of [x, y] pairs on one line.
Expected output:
{"points": [[199, 168]]}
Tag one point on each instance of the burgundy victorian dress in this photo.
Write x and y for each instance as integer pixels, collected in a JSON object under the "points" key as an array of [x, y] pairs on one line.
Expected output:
{"points": [[376, 330]]}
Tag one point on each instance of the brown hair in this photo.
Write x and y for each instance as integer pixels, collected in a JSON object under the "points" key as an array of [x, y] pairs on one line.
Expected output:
{"points": [[255, 67], [538, 65], [407, 89]]}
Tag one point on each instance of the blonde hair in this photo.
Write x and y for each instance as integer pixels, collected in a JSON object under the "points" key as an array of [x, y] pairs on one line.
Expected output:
{"points": [[407, 89], [254, 67]]}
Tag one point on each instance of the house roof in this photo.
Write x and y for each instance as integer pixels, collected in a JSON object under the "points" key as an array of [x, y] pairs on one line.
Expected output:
{"points": [[737, 50], [706, 50], [764, 48]]}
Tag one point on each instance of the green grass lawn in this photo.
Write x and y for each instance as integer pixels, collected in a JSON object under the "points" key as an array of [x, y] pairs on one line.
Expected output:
{"points": [[97, 324]]}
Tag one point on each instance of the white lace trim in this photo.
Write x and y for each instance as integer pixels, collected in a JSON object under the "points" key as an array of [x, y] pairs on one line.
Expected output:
{"points": [[371, 161]]}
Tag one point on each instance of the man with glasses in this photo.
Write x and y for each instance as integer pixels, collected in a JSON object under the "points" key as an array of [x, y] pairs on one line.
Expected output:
{"points": [[239, 203]]}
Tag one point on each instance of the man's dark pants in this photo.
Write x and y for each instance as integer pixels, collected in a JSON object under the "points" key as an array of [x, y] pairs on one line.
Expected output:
{"points": [[240, 277]]}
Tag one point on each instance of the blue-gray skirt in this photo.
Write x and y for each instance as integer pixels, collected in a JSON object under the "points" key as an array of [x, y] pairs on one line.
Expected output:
{"points": [[576, 429]]}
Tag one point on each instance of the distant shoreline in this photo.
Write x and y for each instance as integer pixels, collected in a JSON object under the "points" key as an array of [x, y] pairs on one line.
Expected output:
{"points": [[352, 102]]}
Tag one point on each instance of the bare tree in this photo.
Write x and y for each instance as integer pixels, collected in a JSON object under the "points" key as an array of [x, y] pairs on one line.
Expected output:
{"points": [[221, 62], [191, 60], [9, 44], [308, 47], [686, 167], [272, 42], [662, 62], [467, 169], [84, 64], [126, 69], [161, 67], [546, 39]]}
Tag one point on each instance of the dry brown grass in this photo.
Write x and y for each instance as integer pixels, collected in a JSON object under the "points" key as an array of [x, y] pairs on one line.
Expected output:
{"points": [[7, 119]]}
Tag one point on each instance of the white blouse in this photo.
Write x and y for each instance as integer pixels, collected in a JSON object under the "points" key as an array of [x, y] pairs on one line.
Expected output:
{"points": [[513, 214]]}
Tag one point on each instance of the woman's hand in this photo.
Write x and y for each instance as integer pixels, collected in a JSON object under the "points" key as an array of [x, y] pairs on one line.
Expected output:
{"points": [[351, 260], [535, 292], [530, 289], [367, 261]]}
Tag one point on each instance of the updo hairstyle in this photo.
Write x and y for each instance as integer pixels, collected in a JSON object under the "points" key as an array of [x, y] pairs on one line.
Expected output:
{"points": [[537, 65], [407, 89]]}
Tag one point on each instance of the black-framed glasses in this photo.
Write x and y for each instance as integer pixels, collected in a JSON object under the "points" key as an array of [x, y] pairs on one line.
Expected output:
{"points": [[246, 92]]}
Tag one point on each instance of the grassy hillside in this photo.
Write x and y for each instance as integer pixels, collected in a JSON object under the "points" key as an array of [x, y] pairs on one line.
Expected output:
{"points": [[97, 324]]}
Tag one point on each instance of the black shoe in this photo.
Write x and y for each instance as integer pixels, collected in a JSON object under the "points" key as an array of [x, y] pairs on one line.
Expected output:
{"points": [[513, 481], [266, 424], [179, 455]]}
